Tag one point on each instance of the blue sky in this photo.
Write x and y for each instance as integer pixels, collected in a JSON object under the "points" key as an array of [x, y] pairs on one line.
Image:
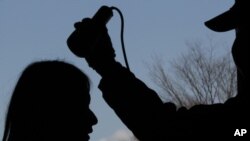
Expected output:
{"points": [[33, 30]]}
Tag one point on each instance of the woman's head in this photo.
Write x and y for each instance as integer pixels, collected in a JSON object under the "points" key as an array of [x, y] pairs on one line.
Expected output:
{"points": [[50, 102]]}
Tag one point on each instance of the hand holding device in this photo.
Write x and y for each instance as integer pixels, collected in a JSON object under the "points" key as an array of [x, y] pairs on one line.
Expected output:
{"points": [[89, 32]]}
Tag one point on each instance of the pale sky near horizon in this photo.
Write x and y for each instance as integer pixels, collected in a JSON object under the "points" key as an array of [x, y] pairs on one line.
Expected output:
{"points": [[33, 30]]}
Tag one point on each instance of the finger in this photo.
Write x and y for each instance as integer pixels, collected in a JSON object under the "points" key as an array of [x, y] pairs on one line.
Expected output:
{"points": [[83, 23]]}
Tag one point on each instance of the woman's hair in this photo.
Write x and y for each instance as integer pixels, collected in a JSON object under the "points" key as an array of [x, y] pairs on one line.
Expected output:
{"points": [[46, 92]]}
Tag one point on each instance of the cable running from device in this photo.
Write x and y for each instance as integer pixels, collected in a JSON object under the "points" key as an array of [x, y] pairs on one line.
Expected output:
{"points": [[122, 35]]}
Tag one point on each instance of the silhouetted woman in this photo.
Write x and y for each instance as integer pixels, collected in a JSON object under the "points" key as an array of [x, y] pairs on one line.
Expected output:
{"points": [[50, 103]]}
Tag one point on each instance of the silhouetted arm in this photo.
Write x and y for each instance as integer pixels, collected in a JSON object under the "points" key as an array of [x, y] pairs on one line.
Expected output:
{"points": [[139, 107]]}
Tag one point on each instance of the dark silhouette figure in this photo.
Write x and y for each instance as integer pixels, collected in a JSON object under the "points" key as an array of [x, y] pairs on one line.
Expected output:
{"points": [[50, 103], [237, 18], [141, 109]]}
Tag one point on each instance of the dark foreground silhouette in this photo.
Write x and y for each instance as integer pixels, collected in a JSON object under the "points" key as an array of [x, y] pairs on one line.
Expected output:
{"points": [[237, 18], [50, 103], [140, 108]]}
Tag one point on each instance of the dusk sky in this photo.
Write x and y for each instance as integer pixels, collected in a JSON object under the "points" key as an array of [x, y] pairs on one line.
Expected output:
{"points": [[34, 30]]}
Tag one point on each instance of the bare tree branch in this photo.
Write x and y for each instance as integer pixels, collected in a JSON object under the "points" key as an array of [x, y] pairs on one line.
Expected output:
{"points": [[201, 77]]}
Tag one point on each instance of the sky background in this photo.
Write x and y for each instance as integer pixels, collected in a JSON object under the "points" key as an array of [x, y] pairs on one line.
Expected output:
{"points": [[33, 30]]}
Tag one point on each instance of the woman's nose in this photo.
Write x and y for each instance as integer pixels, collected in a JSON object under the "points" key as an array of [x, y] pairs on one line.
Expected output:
{"points": [[93, 118]]}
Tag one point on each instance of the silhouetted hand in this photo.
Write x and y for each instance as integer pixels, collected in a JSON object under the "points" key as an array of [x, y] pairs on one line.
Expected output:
{"points": [[92, 42]]}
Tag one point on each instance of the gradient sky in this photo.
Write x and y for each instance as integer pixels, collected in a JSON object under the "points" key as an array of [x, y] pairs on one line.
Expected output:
{"points": [[33, 30]]}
